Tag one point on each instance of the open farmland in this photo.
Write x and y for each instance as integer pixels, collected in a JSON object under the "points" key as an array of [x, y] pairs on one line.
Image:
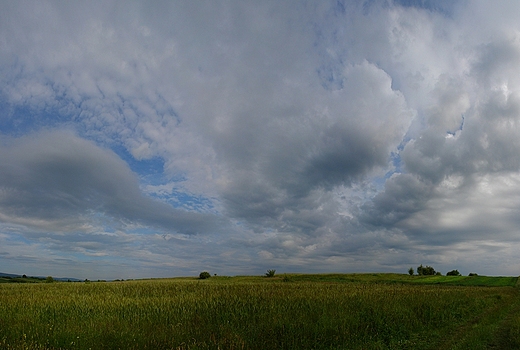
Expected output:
{"points": [[354, 311]]}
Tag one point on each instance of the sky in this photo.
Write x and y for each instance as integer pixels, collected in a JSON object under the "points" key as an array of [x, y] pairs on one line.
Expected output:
{"points": [[158, 139]]}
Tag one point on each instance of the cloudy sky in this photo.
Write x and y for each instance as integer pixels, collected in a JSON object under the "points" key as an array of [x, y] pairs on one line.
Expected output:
{"points": [[156, 139]]}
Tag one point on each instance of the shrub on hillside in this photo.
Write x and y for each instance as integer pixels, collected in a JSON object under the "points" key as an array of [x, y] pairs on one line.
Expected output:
{"points": [[453, 273], [473, 274], [270, 273], [204, 275]]}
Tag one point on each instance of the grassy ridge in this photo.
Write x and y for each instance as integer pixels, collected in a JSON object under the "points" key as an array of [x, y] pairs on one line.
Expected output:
{"points": [[468, 280], [362, 311], [489, 281]]}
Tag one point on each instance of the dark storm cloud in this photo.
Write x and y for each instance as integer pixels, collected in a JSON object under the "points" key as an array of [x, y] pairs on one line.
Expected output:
{"points": [[404, 195], [56, 181], [340, 141]]}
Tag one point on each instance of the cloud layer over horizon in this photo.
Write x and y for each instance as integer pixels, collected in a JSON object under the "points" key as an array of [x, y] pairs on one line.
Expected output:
{"points": [[153, 140]]}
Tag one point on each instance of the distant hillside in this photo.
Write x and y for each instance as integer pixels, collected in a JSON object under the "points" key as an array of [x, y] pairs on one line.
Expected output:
{"points": [[2, 274], [61, 279]]}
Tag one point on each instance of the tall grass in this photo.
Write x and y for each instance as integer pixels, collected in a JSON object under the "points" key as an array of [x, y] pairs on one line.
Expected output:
{"points": [[221, 314]]}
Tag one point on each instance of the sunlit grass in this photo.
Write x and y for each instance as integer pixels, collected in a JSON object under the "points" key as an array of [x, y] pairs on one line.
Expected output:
{"points": [[468, 280]]}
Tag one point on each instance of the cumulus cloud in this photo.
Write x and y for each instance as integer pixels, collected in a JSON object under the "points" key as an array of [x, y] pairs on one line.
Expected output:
{"points": [[311, 136], [466, 154]]}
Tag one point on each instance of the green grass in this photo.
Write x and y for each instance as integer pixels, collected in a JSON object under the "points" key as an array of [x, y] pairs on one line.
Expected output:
{"points": [[329, 311]]}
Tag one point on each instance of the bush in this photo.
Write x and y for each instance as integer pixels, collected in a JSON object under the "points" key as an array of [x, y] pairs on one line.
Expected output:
{"points": [[204, 275], [270, 273], [410, 271], [453, 273], [473, 274]]}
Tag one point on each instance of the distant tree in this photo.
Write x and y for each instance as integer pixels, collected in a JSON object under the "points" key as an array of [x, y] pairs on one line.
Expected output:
{"points": [[24, 276], [472, 274], [453, 273], [410, 271], [204, 275], [438, 273], [425, 270], [49, 279], [270, 273]]}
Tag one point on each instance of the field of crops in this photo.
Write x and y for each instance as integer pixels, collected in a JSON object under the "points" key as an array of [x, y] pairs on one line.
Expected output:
{"points": [[289, 312]]}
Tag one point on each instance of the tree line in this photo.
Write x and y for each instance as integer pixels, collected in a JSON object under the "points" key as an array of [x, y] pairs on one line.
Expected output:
{"points": [[430, 271]]}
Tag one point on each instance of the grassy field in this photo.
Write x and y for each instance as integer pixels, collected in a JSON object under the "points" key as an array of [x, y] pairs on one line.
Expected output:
{"points": [[334, 311]]}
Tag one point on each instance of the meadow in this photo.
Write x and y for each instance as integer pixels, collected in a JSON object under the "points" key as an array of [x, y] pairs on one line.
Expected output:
{"points": [[350, 311]]}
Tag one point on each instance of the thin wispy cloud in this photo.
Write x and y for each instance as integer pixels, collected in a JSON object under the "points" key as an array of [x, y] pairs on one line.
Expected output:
{"points": [[151, 140]]}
